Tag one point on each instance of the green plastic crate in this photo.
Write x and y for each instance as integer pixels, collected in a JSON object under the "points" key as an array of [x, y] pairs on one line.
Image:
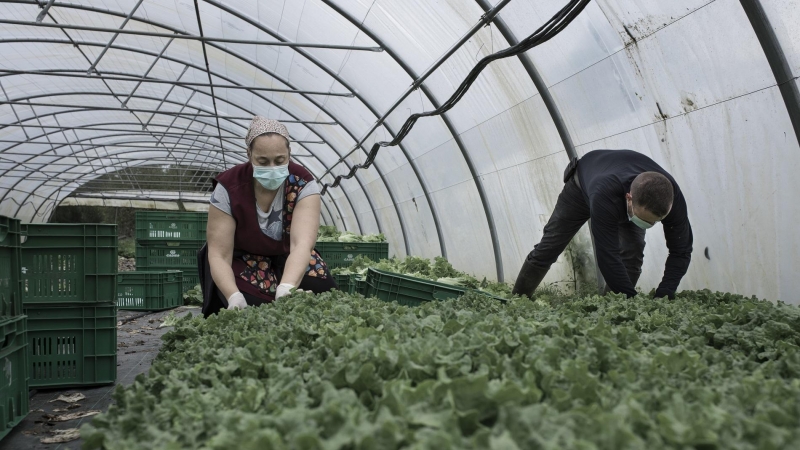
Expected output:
{"points": [[410, 291], [68, 264], [14, 374], [190, 278], [342, 254], [351, 283], [361, 285], [72, 345], [176, 226], [10, 297], [346, 282], [190, 281], [168, 255], [149, 291]]}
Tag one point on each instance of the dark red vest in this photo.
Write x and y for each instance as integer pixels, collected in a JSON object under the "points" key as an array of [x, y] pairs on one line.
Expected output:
{"points": [[249, 238]]}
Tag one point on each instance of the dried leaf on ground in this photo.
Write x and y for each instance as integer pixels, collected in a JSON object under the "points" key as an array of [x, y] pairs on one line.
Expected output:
{"points": [[71, 416], [60, 436], [71, 398]]}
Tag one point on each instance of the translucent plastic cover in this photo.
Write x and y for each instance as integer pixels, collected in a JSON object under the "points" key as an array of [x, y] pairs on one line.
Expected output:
{"points": [[694, 84]]}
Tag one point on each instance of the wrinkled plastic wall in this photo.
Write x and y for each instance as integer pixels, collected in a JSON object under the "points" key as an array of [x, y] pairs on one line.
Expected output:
{"points": [[685, 82]]}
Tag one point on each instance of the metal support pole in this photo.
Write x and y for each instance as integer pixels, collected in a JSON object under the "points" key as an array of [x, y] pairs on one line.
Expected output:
{"points": [[210, 81], [421, 79], [113, 38], [44, 11], [144, 79], [147, 72], [776, 59], [144, 110], [549, 103], [191, 37], [161, 103], [143, 132], [14, 110]]}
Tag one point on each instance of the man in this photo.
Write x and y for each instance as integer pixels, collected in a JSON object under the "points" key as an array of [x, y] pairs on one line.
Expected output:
{"points": [[624, 193]]}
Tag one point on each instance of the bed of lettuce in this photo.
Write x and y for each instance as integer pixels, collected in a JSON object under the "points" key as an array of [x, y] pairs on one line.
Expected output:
{"points": [[329, 233], [336, 371]]}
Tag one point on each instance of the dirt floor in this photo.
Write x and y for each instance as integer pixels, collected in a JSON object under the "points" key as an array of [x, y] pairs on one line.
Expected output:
{"points": [[138, 342]]}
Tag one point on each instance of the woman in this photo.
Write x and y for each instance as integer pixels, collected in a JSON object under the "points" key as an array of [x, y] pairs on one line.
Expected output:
{"points": [[263, 224]]}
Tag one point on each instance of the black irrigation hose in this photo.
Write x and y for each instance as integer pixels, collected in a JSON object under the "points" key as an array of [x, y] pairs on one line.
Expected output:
{"points": [[546, 32]]}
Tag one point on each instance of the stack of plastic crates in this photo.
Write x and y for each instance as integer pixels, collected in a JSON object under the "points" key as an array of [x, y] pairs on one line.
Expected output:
{"points": [[13, 331], [69, 288], [170, 241]]}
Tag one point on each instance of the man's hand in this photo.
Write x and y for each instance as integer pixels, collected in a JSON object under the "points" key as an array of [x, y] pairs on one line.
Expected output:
{"points": [[661, 293], [237, 301]]}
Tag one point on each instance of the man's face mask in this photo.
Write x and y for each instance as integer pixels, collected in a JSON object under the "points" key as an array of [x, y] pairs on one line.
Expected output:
{"points": [[643, 224], [271, 177]]}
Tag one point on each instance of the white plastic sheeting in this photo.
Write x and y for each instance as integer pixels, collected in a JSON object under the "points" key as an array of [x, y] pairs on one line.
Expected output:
{"points": [[686, 82]]}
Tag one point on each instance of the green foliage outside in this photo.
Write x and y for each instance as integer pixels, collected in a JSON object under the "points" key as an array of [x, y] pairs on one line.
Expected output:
{"points": [[335, 371], [124, 218], [126, 247]]}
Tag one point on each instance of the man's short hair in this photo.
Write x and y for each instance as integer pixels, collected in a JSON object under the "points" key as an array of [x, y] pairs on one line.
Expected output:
{"points": [[653, 192]]}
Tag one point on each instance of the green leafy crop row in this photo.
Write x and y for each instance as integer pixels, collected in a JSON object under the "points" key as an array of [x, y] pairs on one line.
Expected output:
{"points": [[334, 371]]}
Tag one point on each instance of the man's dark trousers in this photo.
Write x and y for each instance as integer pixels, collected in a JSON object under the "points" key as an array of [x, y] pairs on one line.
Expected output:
{"points": [[569, 215]]}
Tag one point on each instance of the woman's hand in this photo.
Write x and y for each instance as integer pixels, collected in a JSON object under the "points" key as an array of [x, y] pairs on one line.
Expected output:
{"points": [[283, 290], [237, 301]]}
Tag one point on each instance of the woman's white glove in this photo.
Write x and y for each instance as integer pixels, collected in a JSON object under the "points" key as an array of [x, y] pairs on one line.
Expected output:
{"points": [[237, 301], [285, 289]]}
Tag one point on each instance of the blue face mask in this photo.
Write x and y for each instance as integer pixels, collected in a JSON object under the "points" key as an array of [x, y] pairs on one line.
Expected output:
{"points": [[271, 177], [637, 221], [640, 223]]}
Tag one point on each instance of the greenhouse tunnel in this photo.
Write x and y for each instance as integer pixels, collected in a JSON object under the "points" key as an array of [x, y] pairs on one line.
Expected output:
{"points": [[94, 91]]}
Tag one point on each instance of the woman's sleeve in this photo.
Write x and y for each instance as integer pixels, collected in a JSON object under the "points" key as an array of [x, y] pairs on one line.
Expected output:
{"points": [[221, 200], [311, 188]]}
